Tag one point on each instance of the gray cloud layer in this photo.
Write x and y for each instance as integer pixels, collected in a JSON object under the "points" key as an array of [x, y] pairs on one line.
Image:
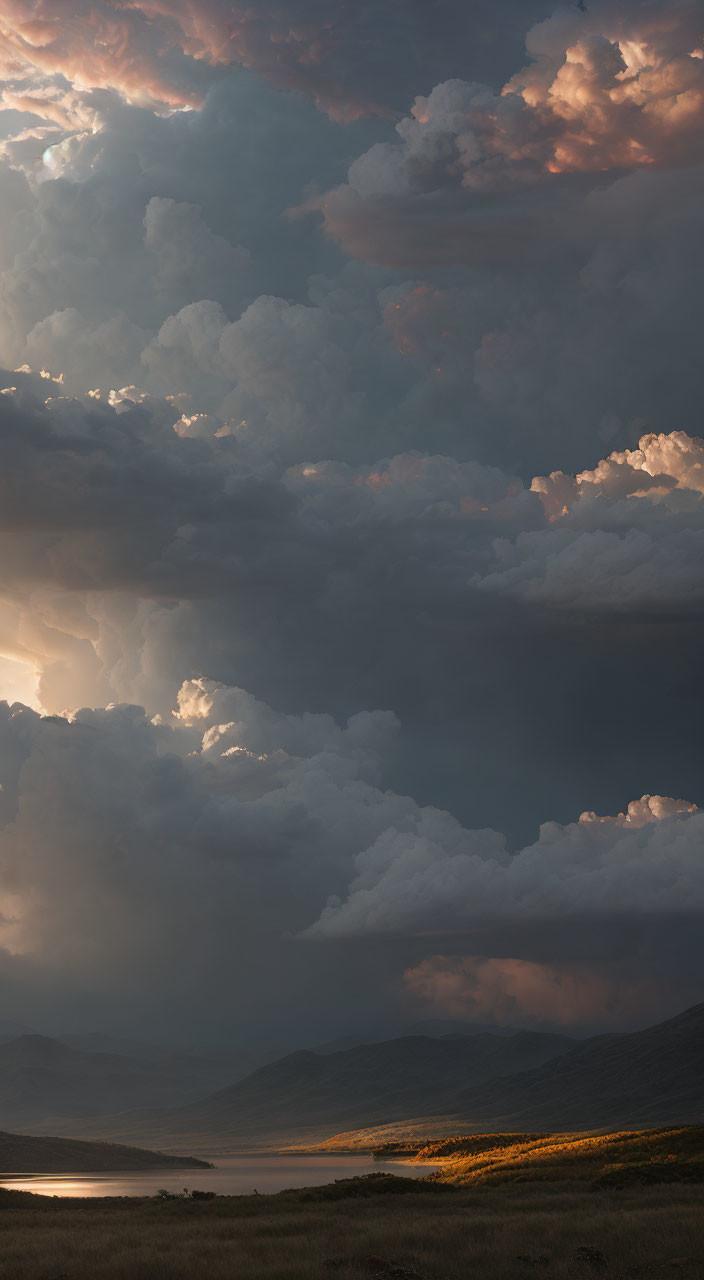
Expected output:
{"points": [[370, 380], [138, 851]]}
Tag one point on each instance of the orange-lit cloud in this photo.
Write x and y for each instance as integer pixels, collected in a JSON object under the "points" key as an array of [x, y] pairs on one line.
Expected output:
{"points": [[616, 102], [150, 51], [467, 180], [92, 46], [513, 992], [660, 464]]}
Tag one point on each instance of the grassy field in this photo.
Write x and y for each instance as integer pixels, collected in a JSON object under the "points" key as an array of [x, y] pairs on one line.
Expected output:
{"points": [[619, 1206], [485, 1233], [643, 1157]]}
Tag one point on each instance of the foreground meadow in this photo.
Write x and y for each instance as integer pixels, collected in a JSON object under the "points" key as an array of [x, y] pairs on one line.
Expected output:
{"points": [[445, 1233]]}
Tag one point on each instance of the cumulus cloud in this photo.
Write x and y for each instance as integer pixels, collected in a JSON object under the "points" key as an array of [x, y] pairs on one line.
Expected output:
{"points": [[627, 534], [133, 232], [190, 258], [141, 215], [647, 860], [123, 836], [137, 469], [142, 542], [284, 374], [187, 488], [476, 177], [302, 463], [227, 823]]}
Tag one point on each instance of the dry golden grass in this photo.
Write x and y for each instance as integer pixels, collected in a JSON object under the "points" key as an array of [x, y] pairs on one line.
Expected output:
{"points": [[418, 1131], [484, 1233], [609, 1159]]}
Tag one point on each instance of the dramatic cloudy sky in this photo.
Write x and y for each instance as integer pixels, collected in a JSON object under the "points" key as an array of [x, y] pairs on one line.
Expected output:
{"points": [[352, 524]]}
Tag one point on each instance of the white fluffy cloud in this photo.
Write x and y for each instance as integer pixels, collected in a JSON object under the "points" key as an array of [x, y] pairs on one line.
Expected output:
{"points": [[629, 534], [301, 463], [648, 860]]}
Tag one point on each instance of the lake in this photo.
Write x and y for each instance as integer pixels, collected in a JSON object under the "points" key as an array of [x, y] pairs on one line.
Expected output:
{"points": [[232, 1176]]}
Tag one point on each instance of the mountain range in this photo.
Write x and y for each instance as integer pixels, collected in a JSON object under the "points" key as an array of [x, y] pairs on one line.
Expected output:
{"points": [[367, 1083], [635, 1079], [469, 1083], [42, 1078], [646, 1077], [306, 1090]]}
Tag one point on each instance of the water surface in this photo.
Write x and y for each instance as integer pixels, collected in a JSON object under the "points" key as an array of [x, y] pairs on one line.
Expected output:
{"points": [[232, 1176]]}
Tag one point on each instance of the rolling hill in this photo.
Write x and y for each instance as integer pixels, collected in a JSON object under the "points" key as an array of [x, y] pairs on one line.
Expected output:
{"points": [[372, 1082], [646, 1077], [644, 1157], [527, 1081], [20, 1153], [640, 1078]]}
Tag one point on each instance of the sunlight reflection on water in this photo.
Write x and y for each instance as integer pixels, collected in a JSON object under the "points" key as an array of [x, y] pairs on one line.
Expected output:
{"points": [[233, 1175]]}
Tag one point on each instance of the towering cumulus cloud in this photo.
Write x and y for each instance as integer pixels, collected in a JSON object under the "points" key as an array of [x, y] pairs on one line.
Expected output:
{"points": [[474, 171], [352, 518]]}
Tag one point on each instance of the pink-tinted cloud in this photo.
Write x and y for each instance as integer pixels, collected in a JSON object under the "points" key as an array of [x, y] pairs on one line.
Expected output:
{"points": [[660, 464], [352, 57], [477, 176], [94, 46], [149, 51], [627, 91], [511, 992]]}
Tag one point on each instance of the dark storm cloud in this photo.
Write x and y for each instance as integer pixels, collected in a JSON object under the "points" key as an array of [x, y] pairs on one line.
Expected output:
{"points": [[229, 826], [392, 466], [210, 504], [159, 254], [177, 857], [476, 608], [127, 223]]}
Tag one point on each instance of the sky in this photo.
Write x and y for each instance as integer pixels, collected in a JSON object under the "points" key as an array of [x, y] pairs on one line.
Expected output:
{"points": [[352, 523]]}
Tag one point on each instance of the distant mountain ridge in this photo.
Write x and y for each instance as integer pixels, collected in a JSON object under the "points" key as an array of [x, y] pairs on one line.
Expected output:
{"points": [[638, 1079], [487, 1082], [49, 1085], [43, 1079], [655, 1076], [373, 1082], [365, 1084]]}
